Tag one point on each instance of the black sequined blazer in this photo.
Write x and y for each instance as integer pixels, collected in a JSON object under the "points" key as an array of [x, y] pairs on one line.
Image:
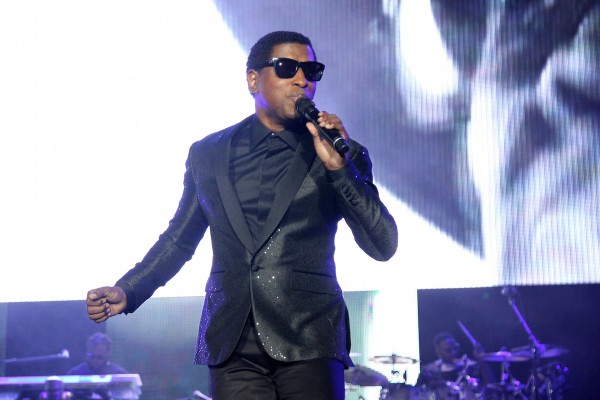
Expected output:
{"points": [[288, 278]]}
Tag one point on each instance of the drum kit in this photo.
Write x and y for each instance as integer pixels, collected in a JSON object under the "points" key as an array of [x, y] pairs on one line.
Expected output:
{"points": [[392, 390], [363, 376], [547, 379]]}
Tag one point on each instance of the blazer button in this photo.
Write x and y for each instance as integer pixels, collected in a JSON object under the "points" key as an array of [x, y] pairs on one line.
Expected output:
{"points": [[255, 268]]}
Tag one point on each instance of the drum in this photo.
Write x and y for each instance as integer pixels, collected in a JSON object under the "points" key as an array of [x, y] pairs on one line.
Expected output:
{"points": [[466, 390], [399, 391], [471, 389], [448, 391], [505, 391], [552, 381]]}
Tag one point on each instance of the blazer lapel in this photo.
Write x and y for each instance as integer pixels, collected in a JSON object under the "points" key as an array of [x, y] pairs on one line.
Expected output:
{"points": [[229, 198], [303, 159]]}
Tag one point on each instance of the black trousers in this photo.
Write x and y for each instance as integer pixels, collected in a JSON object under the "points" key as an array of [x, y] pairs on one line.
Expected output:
{"points": [[251, 374]]}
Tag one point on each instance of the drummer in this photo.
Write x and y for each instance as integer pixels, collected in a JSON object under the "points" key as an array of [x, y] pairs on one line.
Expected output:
{"points": [[452, 368]]}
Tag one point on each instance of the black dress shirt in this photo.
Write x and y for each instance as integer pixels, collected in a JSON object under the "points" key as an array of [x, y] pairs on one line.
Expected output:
{"points": [[259, 159]]}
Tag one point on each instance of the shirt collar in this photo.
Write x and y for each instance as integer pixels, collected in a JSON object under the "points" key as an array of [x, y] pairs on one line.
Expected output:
{"points": [[291, 136]]}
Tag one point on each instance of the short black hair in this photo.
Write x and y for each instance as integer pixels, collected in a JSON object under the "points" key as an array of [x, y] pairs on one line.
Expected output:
{"points": [[99, 338], [440, 337], [262, 50]]}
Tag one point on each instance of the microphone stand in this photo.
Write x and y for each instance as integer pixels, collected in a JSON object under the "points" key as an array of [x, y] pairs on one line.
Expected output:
{"points": [[63, 354], [535, 346]]}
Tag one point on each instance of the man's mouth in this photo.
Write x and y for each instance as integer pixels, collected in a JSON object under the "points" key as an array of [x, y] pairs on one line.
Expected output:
{"points": [[295, 98]]}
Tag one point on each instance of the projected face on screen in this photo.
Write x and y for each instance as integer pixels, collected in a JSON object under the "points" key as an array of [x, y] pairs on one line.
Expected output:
{"points": [[524, 107], [480, 121], [483, 132]]}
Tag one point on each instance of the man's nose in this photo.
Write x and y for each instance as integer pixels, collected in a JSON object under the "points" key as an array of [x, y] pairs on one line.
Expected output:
{"points": [[300, 78]]}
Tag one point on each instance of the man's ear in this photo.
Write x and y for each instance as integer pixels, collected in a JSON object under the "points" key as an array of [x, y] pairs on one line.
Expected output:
{"points": [[252, 79]]}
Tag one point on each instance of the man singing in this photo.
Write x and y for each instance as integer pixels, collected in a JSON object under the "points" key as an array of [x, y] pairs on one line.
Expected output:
{"points": [[272, 191]]}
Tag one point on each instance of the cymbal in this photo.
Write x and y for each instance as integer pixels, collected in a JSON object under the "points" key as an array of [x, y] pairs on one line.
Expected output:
{"points": [[545, 351], [393, 359], [363, 376], [503, 355]]}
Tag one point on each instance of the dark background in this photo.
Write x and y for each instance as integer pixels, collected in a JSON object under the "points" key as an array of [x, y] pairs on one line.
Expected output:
{"points": [[562, 315]]}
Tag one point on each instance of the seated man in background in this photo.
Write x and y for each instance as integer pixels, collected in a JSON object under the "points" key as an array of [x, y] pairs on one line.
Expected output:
{"points": [[99, 351], [97, 362], [453, 372]]}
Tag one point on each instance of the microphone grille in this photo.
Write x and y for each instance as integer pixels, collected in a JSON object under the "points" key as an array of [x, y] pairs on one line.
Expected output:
{"points": [[303, 104]]}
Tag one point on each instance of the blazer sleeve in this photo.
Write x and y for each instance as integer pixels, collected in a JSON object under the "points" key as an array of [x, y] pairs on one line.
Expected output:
{"points": [[175, 246], [372, 226]]}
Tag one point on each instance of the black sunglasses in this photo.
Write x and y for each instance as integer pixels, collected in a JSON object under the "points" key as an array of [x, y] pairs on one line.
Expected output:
{"points": [[286, 68]]}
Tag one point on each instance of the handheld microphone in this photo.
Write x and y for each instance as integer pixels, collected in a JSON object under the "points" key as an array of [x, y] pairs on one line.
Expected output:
{"points": [[308, 110]]}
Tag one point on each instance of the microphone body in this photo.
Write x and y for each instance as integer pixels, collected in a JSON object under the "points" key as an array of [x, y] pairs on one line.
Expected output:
{"points": [[309, 111]]}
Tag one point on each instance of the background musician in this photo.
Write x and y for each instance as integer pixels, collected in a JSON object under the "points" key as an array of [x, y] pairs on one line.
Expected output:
{"points": [[98, 355], [454, 371]]}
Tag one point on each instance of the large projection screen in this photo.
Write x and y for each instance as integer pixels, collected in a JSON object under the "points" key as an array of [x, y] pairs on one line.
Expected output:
{"points": [[481, 119]]}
